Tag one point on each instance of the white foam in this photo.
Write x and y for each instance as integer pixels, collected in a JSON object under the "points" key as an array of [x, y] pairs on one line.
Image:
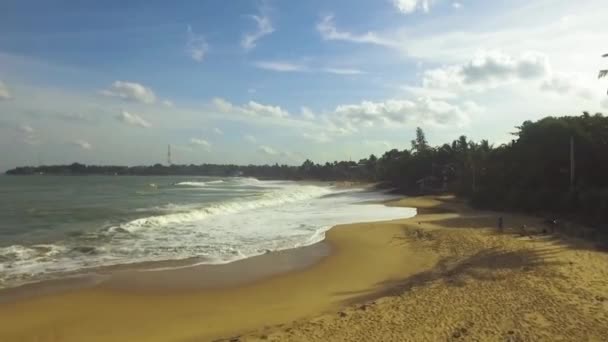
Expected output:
{"points": [[198, 184], [274, 198], [285, 215]]}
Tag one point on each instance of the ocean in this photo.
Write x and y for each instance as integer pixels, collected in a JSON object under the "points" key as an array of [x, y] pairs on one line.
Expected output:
{"points": [[53, 226]]}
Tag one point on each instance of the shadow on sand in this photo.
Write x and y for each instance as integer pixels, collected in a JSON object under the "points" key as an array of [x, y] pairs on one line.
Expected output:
{"points": [[486, 265]]}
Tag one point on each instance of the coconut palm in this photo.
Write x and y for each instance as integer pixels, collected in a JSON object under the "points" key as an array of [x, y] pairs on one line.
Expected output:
{"points": [[603, 73]]}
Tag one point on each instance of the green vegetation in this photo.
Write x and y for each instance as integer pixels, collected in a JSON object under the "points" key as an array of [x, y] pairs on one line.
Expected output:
{"points": [[532, 172]]}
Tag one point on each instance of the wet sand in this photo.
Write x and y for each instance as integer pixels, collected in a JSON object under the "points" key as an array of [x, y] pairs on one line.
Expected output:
{"points": [[445, 274], [188, 305]]}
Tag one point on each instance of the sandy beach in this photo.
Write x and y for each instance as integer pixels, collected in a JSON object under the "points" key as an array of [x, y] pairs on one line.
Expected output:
{"points": [[446, 274]]}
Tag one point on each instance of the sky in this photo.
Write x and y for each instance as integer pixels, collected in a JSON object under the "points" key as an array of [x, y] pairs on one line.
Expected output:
{"points": [[278, 81]]}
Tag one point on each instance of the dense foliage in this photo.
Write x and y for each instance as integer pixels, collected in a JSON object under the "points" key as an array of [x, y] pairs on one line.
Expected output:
{"points": [[532, 172]]}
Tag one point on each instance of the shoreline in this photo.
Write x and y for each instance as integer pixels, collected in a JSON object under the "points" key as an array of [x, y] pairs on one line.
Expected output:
{"points": [[86, 274], [401, 280], [318, 284], [175, 275]]}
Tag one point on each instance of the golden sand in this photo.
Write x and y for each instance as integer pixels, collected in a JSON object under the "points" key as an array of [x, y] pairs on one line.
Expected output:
{"points": [[445, 274]]}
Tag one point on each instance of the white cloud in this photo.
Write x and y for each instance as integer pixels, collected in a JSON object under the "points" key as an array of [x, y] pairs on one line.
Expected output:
{"points": [[201, 143], [284, 66], [132, 119], [251, 108], [410, 6], [567, 83], [196, 46], [279, 66], [258, 109], [496, 65], [28, 134], [222, 105], [130, 91], [218, 131], [547, 33], [488, 70], [267, 150], [457, 5], [327, 29], [250, 138], [340, 71], [26, 129], [318, 136], [395, 111], [167, 103], [604, 103], [264, 27], [5, 94], [307, 113], [82, 144]]}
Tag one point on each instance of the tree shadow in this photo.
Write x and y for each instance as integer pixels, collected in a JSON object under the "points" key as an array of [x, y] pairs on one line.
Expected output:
{"points": [[486, 265], [468, 221], [565, 233]]}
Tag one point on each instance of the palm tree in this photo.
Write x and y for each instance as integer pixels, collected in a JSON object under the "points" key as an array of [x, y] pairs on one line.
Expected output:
{"points": [[603, 73]]}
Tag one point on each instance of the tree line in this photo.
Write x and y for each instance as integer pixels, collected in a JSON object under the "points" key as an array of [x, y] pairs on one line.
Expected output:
{"points": [[557, 164]]}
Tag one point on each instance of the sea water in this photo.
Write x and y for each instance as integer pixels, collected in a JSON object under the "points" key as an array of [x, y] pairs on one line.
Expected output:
{"points": [[51, 226]]}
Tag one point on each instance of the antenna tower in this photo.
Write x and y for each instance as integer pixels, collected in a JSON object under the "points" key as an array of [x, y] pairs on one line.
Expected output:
{"points": [[169, 155]]}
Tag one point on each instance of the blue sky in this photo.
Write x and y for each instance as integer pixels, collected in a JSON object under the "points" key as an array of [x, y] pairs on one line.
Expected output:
{"points": [[114, 82]]}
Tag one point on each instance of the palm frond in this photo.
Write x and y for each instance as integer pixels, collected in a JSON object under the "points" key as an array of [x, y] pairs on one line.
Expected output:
{"points": [[603, 73]]}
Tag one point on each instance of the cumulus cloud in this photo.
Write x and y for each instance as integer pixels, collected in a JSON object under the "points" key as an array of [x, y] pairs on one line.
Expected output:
{"points": [[196, 46], [395, 111], [567, 83], [250, 138], [82, 144], [263, 28], [307, 113], [258, 109], [4, 92], [410, 6], [328, 30], [218, 131], [486, 70], [167, 103], [267, 150], [251, 108], [132, 119], [457, 5], [200, 143], [348, 119], [131, 91], [279, 66]]}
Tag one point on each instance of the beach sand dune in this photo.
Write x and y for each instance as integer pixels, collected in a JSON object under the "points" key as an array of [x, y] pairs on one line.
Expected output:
{"points": [[446, 274]]}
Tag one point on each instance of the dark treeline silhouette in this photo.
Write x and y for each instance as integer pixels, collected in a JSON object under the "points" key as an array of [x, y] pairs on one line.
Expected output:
{"points": [[532, 172]]}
